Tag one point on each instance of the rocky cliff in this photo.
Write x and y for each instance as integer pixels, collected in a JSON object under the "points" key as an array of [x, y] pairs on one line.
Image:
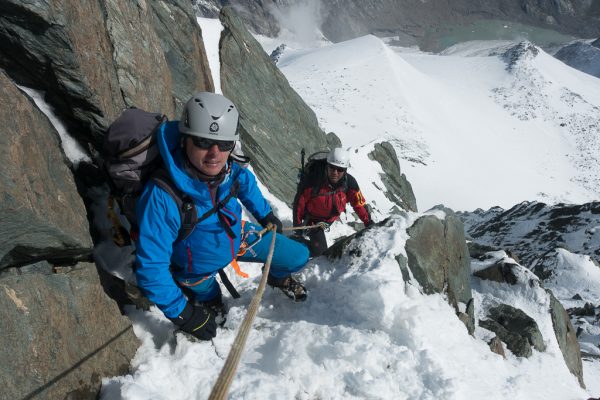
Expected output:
{"points": [[410, 19]]}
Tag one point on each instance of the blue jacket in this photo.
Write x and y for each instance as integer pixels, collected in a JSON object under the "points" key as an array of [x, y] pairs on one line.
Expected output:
{"points": [[208, 248]]}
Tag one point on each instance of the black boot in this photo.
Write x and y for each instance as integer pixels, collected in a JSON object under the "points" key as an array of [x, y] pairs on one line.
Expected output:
{"points": [[289, 286]]}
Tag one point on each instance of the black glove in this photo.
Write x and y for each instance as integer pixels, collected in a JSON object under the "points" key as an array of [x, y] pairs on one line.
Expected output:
{"points": [[198, 321], [271, 218], [369, 223]]}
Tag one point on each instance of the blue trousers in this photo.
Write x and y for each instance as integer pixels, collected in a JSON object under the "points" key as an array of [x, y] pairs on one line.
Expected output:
{"points": [[289, 256]]}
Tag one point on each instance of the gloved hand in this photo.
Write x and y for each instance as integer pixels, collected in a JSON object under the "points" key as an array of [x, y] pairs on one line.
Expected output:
{"points": [[271, 218], [369, 223], [324, 225], [198, 321]]}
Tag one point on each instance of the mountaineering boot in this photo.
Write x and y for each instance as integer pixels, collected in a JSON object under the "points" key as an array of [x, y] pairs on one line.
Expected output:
{"points": [[217, 306], [289, 286]]}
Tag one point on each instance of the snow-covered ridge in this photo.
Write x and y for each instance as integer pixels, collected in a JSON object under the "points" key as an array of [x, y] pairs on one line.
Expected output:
{"points": [[362, 333], [504, 135], [532, 229]]}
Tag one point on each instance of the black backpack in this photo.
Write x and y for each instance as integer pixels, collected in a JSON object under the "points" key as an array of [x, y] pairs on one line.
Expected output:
{"points": [[312, 171], [131, 158]]}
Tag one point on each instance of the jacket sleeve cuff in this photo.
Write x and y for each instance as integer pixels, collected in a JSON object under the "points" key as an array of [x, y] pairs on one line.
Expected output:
{"points": [[184, 316]]}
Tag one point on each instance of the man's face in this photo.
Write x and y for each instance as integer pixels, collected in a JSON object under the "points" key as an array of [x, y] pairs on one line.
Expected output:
{"points": [[335, 173], [208, 156]]}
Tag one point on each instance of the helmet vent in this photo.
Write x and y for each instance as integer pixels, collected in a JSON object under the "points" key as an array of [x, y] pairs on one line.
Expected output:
{"points": [[199, 102], [231, 107]]}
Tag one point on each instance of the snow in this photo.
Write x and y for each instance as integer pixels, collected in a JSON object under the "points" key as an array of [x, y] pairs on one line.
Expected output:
{"points": [[211, 34], [72, 149], [497, 131], [364, 333]]}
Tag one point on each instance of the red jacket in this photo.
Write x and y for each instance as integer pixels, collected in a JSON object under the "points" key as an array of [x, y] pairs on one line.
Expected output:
{"points": [[324, 202]]}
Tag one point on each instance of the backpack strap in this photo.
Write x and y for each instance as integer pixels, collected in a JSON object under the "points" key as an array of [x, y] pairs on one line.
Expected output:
{"points": [[187, 210], [185, 204]]}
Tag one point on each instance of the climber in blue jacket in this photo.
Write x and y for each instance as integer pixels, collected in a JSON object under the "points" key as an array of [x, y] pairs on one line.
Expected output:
{"points": [[178, 275]]}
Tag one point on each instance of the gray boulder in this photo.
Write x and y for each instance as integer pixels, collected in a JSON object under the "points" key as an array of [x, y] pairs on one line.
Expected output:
{"points": [[275, 123], [566, 337], [42, 214], [60, 335], [95, 58], [496, 346], [439, 259], [515, 328], [501, 271], [399, 190], [582, 56]]}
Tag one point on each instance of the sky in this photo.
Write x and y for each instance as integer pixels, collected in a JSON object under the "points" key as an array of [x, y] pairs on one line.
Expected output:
{"points": [[364, 333]]}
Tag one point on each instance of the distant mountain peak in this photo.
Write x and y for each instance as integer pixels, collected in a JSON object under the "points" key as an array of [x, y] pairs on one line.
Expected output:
{"points": [[521, 51]]}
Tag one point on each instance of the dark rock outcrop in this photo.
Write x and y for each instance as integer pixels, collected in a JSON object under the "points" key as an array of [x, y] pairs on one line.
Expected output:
{"points": [[566, 337], [95, 58], [496, 346], [399, 188], [522, 50], [60, 335], [43, 216], [181, 41], [531, 230], [439, 259], [275, 123], [501, 271], [408, 19], [515, 328], [582, 56]]}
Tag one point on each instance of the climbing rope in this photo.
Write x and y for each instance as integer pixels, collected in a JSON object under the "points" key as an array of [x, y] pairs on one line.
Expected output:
{"points": [[221, 387], [322, 225]]}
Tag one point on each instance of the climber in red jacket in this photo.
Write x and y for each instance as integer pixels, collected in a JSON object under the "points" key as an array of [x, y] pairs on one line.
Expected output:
{"points": [[322, 196]]}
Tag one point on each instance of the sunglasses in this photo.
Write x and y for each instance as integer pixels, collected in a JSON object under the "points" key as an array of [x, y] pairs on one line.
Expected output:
{"points": [[204, 143], [336, 168]]}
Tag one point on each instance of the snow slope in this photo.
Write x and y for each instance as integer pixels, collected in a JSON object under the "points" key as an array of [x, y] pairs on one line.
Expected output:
{"points": [[469, 131], [362, 333]]}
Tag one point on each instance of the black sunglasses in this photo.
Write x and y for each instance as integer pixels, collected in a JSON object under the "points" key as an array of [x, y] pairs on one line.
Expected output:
{"points": [[336, 168], [204, 143]]}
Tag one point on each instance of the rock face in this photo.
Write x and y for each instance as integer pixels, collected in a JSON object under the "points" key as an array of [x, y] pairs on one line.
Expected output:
{"points": [[181, 41], [95, 58], [566, 337], [501, 271], [43, 216], [60, 335], [532, 229], [275, 123], [515, 328], [439, 259], [343, 19], [582, 56], [399, 188]]}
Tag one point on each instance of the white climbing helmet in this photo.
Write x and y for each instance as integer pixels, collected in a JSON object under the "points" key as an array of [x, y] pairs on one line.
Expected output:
{"points": [[338, 157], [211, 116]]}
